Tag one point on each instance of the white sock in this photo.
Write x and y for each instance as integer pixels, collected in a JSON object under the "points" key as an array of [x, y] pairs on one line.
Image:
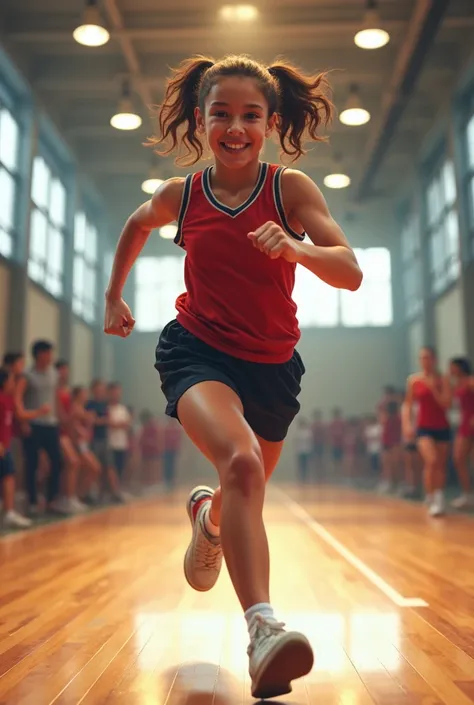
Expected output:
{"points": [[211, 528], [263, 608]]}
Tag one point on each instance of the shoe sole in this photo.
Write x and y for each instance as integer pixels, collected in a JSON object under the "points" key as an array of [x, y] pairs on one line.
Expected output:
{"points": [[190, 516], [291, 659]]}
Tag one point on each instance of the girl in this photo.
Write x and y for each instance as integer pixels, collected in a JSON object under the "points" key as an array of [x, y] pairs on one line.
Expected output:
{"points": [[428, 389], [228, 364], [460, 372]]}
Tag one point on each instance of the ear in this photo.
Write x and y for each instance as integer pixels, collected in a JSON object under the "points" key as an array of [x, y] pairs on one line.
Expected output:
{"points": [[200, 122], [271, 124]]}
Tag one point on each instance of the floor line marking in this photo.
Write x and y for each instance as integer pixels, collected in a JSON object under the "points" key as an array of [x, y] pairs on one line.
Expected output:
{"points": [[298, 511]]}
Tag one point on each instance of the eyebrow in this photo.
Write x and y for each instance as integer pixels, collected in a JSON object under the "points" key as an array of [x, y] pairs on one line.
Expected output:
{"points": [[216, 103]]}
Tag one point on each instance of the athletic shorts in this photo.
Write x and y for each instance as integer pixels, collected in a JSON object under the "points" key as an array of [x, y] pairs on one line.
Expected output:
{"points": [[268, 392], [439, 435], [7, 467]]}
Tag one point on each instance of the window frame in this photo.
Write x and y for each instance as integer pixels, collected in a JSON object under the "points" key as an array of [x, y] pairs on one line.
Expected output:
{"points": [[9, 104], [58, 171], [92, 219]]}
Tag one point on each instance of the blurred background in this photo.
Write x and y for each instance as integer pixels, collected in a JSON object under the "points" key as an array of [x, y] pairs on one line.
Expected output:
{"points": [[77, 80]]}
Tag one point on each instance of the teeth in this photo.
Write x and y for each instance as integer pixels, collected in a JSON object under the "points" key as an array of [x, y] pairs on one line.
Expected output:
{"points": [[235, 146]]}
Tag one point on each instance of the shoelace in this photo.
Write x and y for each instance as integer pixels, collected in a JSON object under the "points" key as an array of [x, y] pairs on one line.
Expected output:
{"points": [[208, 554], [262, 627]]}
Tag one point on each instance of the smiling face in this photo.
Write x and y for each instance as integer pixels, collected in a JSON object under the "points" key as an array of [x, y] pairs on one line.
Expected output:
{"points": [[427, 361], [235, 121]]}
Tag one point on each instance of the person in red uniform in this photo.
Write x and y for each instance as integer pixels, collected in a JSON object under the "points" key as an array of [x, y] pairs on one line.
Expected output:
{"points": [[228, 363], [172, 437], [11, 518], [461, 384], [428, 390], [150, 444]]}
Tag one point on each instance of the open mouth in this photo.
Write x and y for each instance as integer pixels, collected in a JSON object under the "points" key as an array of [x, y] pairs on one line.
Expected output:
{"points": [[234, 147]]}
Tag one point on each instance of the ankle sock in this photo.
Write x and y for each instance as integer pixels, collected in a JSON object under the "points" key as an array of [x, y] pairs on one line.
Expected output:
{"points": [[263, 608], [211, 528]]}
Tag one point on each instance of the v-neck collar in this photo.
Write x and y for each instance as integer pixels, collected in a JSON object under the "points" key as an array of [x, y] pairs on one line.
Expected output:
{"points": [[227, 210]]}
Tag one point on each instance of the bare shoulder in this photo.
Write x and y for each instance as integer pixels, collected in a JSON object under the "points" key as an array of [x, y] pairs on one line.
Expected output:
{"points": [[413, 378], [170, 194], [298, 187]]}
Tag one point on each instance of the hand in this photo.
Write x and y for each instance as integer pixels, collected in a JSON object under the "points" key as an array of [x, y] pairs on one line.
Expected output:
{"points": [[409, 434], [44, 410], [272, 240], [118, 318]]}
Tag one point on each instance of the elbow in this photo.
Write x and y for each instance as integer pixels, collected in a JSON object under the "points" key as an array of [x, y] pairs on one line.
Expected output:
{"points": [[355, 280]]}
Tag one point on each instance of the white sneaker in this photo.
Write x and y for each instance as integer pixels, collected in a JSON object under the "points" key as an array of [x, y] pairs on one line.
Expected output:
{"points": [[203, 559], [463, 501], [276, 657], [13, 520], [437, 507], [77, 506]]}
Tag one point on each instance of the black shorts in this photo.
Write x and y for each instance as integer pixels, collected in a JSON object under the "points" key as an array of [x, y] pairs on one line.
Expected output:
{"points": [[439, 435], [7, 468], [268, 391]]}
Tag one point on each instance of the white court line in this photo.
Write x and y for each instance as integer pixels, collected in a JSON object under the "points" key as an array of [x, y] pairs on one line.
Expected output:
{"points": [[298, 511]]}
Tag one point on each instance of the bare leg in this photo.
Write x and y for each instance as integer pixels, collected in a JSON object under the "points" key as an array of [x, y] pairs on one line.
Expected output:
{"points": [[429, 455], [462, 447], [212, 416]]}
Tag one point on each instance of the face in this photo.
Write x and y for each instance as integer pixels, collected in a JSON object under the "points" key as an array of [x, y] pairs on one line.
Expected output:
{"points": [[455, 371], [45, 358], [427, 361], [115, 394], [99, 391], [18, 366], [63, 373], [235, 121]]}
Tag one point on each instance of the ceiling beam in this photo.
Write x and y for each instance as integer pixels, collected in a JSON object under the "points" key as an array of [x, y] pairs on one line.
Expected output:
{"points": [[425, 23], [129, 53]]}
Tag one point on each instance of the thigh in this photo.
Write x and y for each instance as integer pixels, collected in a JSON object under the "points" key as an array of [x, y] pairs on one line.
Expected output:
{"points": [[271, 452], [68, 450], [462, 446], [211, 413], [428, 449]]}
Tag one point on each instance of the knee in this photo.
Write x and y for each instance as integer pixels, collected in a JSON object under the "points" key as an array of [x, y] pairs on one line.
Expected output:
{"points": [[243, 471]]}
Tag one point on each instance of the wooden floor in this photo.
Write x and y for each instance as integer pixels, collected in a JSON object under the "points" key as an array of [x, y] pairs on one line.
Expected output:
{"points": [[96, 610]]}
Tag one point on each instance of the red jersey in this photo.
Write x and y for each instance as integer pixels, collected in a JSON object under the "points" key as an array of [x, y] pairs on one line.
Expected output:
{"points": [[465, 396], [64, 396], [172, 437], [6, 419], [150, 441], [430, 414], [237, 299]]}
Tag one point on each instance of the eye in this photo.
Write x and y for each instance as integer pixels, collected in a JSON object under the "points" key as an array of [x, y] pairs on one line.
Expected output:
{"points": [[252, 116], [220, 114]]}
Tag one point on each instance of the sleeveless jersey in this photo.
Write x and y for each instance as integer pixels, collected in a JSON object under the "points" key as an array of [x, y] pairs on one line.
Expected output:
{"points": [[430, 414], [237, 299], [465, 397]]}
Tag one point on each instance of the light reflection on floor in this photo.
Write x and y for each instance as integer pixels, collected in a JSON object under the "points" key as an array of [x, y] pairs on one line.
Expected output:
{"points": [[370, 640]]}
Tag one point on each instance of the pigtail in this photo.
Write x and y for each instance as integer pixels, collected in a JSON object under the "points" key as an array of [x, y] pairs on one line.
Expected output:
{"points": [[303, 106], [176, 118]]}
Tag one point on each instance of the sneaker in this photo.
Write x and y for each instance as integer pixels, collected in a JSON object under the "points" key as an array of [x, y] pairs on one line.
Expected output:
{"points": [[437, 507], [13, 520], [463, 501], [276, 658], [203, 559]]}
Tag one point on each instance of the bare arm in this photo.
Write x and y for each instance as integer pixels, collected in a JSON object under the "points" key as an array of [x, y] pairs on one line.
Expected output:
{"points": [[407, 410], [161, 209], [329, 255]]}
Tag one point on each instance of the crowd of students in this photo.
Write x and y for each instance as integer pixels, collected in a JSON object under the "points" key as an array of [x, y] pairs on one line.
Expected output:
{"points": [[72, 447], [406, 446]]}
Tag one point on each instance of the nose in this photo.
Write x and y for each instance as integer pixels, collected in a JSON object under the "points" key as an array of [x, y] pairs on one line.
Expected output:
{"points": [[235, 126]]}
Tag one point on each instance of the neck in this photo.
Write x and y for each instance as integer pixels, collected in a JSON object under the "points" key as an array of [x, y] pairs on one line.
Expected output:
{"points": [[40, 367], [234, 180]]}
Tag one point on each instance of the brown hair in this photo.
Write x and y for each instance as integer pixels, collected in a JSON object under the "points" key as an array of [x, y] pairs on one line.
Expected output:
{"points": [[300, 102]]}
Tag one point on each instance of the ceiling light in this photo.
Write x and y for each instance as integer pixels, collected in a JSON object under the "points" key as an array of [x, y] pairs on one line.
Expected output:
{"points": [[168, 232], [354, 114], [337, 181], [126, 118], [150, 185], [91, 32], [371, 36], [239, 13]]}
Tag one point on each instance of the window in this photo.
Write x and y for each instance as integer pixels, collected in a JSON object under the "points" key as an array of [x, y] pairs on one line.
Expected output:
{"points": [[443, 231], [159, 281], [469, 176], [47, 228], [411, 265], [9, 158], [320, 305], [85, 268]]}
